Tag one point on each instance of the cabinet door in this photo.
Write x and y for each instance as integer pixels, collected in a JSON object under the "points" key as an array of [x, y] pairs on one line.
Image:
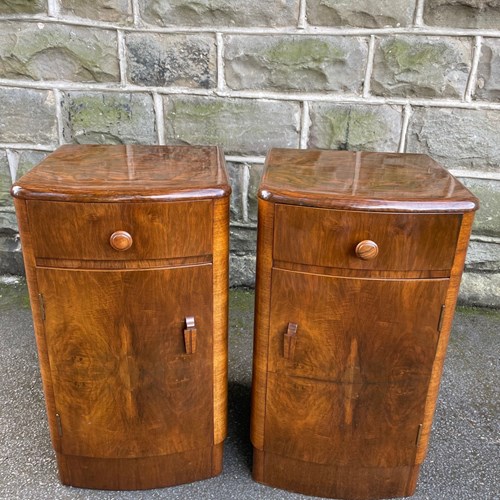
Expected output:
{"points": [[123, 383], [349, 385]]}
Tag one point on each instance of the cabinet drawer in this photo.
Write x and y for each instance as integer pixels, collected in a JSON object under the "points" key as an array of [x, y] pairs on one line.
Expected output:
{"points": [[83, 231], [329, 238]]}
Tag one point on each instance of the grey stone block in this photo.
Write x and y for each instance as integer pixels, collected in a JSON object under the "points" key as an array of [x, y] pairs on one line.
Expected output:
{"points": [[220, 12], [50, 51], [11, 259], [483, 257], [116, 11], [463, 13], [27, 160], [487, 219], [171, 59], [355, 127], [23, 6], [8, 221], [28, 116], [488, 71], [243, 240], [242, 270], [480, 289], [239, 125], [362, 13], [421, 66], [457, 138], [303, 63], [109, 118], [244, 178], [5, 181]]}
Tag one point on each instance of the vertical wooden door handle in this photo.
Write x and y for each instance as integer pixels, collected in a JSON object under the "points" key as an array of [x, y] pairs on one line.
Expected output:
{"points": [[190, 335], [289, 341]]}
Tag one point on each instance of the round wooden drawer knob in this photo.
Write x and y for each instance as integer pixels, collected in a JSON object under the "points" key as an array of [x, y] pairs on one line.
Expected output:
{"points": [[367, 249], [120, 240]]}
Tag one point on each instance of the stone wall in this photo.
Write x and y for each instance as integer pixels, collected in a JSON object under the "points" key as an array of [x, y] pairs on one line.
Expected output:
{"points": [[404, 75]]}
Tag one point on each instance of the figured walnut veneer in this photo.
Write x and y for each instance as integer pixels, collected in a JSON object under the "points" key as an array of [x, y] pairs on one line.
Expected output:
{"points": [[358, 267], [126, 253]]}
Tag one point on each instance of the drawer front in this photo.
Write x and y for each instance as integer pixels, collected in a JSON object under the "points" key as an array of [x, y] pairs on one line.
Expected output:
{"points": [[385, 241], [120, 231]]}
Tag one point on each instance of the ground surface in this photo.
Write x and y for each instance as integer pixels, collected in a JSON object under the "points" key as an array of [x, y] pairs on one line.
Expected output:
{"points": [[463, 460]]}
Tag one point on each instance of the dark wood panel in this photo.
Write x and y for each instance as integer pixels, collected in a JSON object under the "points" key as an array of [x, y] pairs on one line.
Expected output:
{"points": [[352, 483], [140, 473], [123, 384], [362, 181], [406, 242], [357, 423], [82, 230], [355, 330], [111, 173]]}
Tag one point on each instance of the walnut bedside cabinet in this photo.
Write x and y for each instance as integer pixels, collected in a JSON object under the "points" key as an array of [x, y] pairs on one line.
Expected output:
{"points": [[126, 256], [359, 262]]}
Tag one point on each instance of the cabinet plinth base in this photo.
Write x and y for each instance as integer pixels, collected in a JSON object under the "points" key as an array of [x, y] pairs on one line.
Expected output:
{"points": [[331, 481], [140, 473]]}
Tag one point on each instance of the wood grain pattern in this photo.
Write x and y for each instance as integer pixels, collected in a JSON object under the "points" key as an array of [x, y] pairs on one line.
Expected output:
{"points": [[356, 483], [394, 182], [131, 173], [127, 407], [407, 242], [81, 231], [396, 342], [446, 324], [349, 414], [142, 472], [261, 324], [118, 361], [36, 311], [220, 316]]}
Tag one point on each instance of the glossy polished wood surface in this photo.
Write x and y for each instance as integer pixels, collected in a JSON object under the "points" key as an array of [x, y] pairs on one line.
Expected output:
{"points": [[406, 242], [354, 301], [132, 375], [128, 406], [159, 230], [126, 173], [362, 181]]}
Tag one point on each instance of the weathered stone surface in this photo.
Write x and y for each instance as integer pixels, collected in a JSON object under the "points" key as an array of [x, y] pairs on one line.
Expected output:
{"points": [[220, 12], [363, 13], [57, 52], [253, 187], [487, 219], [295, 63], [27, 115], [421, 66], [11, 258], [242, 270], [116, 11], [171, 59], [480, 289], [243, 239], [483, 257], [457, 138], [5, 181], [8, 221], [239, 125], [355, 127], [23, 6], [27, 159], [488, 71], [109, 118], [244, 178], [463, 13]]}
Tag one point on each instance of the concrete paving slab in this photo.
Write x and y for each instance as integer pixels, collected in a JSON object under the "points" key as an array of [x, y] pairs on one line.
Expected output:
{"points": [[463, 461]]}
